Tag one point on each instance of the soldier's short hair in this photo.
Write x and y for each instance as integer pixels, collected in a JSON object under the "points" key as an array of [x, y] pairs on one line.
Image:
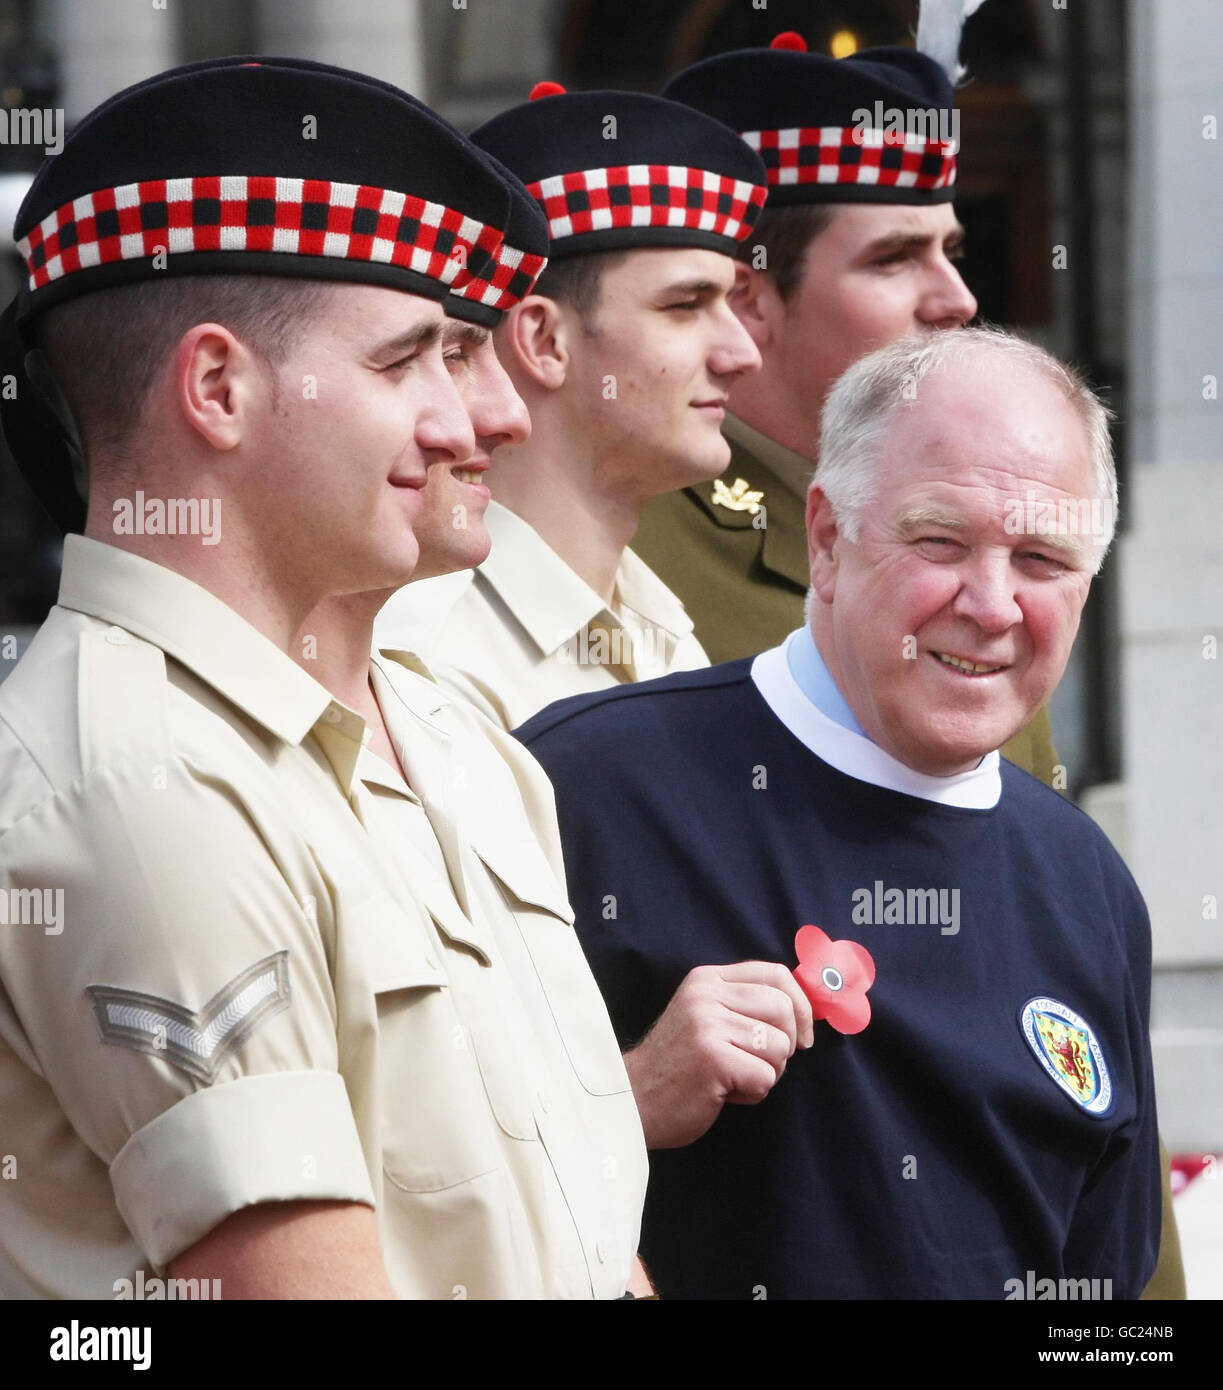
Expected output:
{"points": [[578, 281], [105, 349], [786, 234]]}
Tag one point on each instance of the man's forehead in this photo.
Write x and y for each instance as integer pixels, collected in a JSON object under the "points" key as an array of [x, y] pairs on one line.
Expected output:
{"points": [[987, 504], [866, 222], [365, 311], [655, 268]]}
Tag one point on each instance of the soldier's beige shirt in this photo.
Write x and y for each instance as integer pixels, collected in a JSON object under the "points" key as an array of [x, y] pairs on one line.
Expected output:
{"points": [[524, 629], [278, 973]]}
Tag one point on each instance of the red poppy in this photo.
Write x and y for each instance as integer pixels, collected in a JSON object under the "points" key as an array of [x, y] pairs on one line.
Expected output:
{"points": [[835, 976]]}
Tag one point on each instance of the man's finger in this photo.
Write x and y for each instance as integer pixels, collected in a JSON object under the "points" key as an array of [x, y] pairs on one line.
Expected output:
{"points": [[765, 972], [764, 1004]]}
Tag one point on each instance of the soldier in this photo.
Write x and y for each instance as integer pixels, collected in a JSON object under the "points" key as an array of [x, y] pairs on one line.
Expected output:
{"points": [[274, 1038], [858, 241], [625, 356]]}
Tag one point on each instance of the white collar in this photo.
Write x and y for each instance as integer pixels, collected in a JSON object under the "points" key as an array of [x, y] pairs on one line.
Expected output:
{"points": [[856, 756]]}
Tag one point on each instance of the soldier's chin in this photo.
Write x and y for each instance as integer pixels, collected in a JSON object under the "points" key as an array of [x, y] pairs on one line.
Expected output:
{"points": [[711, 462]]}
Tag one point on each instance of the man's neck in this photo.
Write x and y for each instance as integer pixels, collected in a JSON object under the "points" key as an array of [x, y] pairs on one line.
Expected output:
{"points": [[334, 644], [763, 402], [241, 575], [557, 493]]}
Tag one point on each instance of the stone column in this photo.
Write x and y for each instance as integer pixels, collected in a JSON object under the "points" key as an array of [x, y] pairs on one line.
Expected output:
{"points": [[1172, 559], [106, 45], [383, 38]]}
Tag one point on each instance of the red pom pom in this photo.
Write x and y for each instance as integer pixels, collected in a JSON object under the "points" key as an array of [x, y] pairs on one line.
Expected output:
{"points": [[546, 89], [792, 42]]}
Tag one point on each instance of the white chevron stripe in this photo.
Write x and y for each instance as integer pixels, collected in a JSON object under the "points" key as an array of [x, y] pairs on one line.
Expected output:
{"points": [[200, 1042]]}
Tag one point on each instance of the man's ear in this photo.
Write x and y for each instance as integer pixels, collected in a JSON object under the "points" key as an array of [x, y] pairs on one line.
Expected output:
{"points": [[823, 537], [756, 304], [538, 331], [217, 382]]}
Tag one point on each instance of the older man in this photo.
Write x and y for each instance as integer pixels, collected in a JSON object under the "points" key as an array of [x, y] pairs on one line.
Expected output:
{"points": [[993, 1123]]}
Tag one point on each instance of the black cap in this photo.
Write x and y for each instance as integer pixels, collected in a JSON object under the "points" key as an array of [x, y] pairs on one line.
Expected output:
{"points": [[260, 166], [516, 264], [616, 170], [878, 126], [242, 165]]}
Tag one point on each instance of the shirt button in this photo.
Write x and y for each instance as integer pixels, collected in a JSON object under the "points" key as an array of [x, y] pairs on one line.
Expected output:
{"points": [[332, 715], [116, 636]]}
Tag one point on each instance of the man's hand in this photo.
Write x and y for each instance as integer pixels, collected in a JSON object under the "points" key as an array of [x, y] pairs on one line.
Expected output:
{"points": [[724, 1039]]}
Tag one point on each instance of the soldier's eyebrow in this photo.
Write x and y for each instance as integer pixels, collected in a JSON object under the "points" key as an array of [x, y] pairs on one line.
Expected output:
{"points": [[891, 243], [690, 289], [458, 331], [424, 335]]}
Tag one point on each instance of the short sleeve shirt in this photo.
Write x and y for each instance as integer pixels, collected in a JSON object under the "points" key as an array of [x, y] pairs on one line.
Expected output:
{"points": [[224, 982]]}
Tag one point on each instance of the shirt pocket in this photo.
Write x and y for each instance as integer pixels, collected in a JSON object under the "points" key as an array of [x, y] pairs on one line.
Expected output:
{"points": [[545, 920], [435, 1125]]}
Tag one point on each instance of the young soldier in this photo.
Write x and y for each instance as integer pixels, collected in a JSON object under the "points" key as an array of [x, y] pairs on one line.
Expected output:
{"points": [[625, 356], [261, 1045]]}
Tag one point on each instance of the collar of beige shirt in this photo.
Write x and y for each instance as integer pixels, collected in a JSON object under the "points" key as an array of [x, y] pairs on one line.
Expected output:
{"points": [[195, 628], [791, 469], [553, 603]]}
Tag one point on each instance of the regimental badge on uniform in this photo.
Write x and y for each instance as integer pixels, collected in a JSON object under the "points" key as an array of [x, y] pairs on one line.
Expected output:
{"points": [[1068, 1050], [739, 497]]}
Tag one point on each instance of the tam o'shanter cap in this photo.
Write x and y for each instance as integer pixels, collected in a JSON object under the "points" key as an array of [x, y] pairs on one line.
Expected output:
{"points": [[259, 166], [617, 170], [263, 166], [803, 113], [494, 283], [516, 264]]}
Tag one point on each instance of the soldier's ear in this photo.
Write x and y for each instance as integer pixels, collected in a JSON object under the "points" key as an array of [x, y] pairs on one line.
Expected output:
{"points": [[822, 536], [538, 333], [218, 383], [756, 304]]}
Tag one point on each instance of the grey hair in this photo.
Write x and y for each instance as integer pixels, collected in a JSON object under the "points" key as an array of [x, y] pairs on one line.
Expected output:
{"points": [[863, 404]]}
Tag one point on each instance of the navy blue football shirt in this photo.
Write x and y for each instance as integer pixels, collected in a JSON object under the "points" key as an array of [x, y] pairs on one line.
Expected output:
{"points": [[994, 1122]]}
